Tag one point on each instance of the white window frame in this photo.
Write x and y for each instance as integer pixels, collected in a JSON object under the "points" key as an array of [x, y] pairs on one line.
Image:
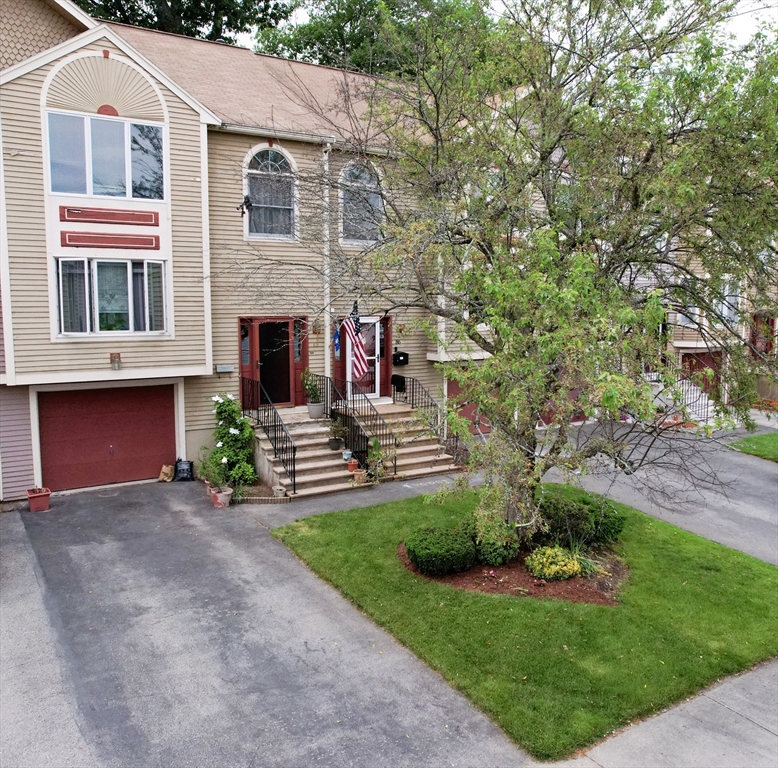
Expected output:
{"points": [[343, 185], [689, 317], [247, 234], [728, 307], [91, 292], [127, 122]]}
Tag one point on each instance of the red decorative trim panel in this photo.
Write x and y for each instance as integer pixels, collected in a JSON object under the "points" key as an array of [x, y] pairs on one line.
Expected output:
{"points": [[109, 240], [108, 216]]}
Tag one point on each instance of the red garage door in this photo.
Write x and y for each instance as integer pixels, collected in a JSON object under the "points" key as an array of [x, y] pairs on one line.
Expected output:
{"points": [[100, 436]]}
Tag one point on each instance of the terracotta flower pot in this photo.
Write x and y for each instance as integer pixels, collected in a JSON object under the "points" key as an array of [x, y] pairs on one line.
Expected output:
{"points": [[352, 465], [38, 499], [221, 497]]}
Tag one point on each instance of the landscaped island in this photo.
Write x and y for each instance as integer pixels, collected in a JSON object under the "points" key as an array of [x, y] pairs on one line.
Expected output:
{"points": [[557, 675]]}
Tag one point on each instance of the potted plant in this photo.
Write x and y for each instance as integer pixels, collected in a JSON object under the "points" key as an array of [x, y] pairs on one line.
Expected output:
{"points": [[38, 499], [360, 476], [230, 463], [338, 432], [352, 465], [313, 394]]}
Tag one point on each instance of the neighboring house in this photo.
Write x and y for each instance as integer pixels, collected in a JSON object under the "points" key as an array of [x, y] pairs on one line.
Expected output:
{"points": [[143, 177]]}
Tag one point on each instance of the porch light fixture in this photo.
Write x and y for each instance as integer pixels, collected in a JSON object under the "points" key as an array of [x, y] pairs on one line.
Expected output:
{"points": [[245, 206], [116, 360]]}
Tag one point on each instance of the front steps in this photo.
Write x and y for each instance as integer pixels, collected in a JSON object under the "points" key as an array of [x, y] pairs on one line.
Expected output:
{"points": [[321, 470]]}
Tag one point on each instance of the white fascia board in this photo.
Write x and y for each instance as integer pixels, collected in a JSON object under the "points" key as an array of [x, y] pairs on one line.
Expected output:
{"points": [[91, 36], [73, 13], [462, 357], [5, 277], [125, 375], [273, 133]]}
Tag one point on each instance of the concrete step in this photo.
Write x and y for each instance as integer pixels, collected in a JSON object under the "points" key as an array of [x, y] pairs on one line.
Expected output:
{"points": [[419, 450], [319, 479], [315, 467], [441, 469], [421, 462]]}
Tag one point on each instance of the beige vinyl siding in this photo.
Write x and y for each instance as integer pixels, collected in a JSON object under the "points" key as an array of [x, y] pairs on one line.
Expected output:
{"points": [[35, 353], [28, 27], [257, 277], [15, 442], [767, 388], [416, 343]]}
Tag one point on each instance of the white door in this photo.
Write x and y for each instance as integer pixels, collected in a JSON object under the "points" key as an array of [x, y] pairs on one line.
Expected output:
{"points": [[370, 383]]}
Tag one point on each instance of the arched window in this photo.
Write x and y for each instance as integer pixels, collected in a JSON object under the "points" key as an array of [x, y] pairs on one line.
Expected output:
{"points": [[361, 198], [271, 192]]}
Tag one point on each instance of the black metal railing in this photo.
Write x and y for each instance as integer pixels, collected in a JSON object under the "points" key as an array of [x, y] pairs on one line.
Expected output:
{"points": [[412, 392], [348, 402], [363, 410], [258, 406]]}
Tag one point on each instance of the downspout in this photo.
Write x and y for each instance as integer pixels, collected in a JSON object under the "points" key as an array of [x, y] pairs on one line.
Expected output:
{"points": [[326, 265]]}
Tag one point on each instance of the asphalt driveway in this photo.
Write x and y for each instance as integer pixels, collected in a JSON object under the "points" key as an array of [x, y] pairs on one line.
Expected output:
{"points": [[142, 627]]}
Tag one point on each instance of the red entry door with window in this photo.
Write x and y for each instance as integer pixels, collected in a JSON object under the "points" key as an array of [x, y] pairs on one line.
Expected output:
{"points": [[384, 350], [273, 350]]}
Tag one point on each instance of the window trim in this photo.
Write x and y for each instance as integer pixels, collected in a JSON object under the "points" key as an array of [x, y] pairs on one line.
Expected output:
{"points": [[253, 236], [92, 307], [343, 185], [127, 121]]}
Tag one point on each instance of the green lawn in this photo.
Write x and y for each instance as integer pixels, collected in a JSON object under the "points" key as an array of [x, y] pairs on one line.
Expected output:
{"points": [[763, 446], [691, 612]]}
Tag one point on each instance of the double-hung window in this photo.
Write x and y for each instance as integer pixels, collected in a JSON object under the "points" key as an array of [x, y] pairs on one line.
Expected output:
{"points": [[105, 157], [271, 193], [688, 317], [101, 295], [728, 306], [361, 198]]}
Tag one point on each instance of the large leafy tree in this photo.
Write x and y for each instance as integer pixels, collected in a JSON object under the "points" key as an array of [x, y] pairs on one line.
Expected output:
{"points": [[211, 19], [359, 35], [562, 190]]}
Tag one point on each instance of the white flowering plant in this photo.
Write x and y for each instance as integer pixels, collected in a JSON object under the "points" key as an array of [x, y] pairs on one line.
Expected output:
{"points": [[231, 460]]}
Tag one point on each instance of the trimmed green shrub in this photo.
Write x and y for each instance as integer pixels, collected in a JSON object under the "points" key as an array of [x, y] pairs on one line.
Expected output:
{"points": [[553, 564], [496, 542], [587, 522], [440, 551]]}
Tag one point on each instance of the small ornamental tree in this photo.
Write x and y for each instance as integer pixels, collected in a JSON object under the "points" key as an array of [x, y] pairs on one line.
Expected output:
{"points": [[231, 461]]}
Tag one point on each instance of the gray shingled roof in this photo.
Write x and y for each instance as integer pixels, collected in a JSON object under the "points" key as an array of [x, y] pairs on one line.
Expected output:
{"points": [[248, 89]]}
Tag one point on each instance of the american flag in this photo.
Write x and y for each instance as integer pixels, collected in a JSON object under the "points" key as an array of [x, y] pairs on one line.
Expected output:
{"points": [[353, 328]]}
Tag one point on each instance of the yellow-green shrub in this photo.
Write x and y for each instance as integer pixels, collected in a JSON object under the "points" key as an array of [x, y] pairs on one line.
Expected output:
{"points": [[553, 564]]}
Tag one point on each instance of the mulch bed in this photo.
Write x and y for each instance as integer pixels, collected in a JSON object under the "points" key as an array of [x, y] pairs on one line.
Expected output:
{"points": [[514, 579]]}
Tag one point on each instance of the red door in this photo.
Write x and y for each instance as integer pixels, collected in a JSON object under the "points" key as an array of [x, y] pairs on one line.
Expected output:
{"points": [[101, 436], [468, 410], [695, 366], [273, 350]]}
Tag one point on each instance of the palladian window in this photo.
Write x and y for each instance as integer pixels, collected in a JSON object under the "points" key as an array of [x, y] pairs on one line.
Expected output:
{"points": [[271, 193]]}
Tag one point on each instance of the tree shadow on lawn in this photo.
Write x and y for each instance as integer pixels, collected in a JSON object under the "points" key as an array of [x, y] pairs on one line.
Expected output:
{"points": [[556, 675]]}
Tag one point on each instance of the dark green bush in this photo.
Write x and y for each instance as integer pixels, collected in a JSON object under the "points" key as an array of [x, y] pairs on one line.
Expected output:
{"points": [[496, 542], [587, 522], [440, 551]]}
